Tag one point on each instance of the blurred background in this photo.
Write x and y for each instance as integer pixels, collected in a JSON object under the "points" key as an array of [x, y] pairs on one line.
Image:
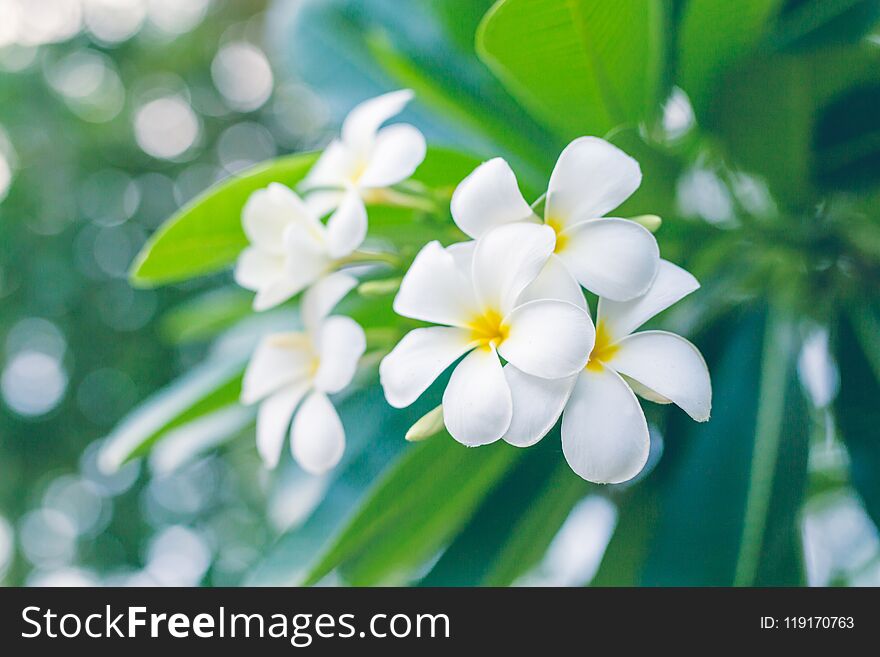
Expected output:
{"points": [[114, 113]]}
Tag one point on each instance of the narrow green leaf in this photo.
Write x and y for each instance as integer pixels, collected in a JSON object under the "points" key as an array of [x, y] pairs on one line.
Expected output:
{"points": [[584, 66], [713, 35], [206, 234], [857, 410], [414, 510]]}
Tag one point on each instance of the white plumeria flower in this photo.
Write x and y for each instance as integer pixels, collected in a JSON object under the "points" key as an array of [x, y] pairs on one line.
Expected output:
{"points": [[614, 258], [290, 247], [291, 374], [489, 297], [604, 432], [366, 159]]}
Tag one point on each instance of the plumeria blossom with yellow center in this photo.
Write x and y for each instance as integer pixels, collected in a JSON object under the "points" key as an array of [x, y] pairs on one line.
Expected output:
{"points": [[290, 248], [487, 295], [604, 432], [365, 160], [291, 374], [614, 258]]}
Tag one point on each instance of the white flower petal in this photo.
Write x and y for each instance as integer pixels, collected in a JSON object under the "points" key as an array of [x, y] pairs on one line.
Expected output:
{"points": [[335, 168], [418, 359], [672, 284], [435, 289], [489, 197], [554, 282], [604, 432], [614, 258], [397, 153], [347, 226], [477, 406], [548, 338], [590, 179], [670, 366], [322, 298], [508, 258], [279, 359], [257, 268], [323, 202], [278, 291], [362, 123], [317, 439], [268, 212], [341, 343], [537, 404], [645, 392], [273, 419]]}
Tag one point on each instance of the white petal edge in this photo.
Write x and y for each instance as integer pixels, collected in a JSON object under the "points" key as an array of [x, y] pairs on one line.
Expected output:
{"points": [[477, 405], [554, 282], [362, 123], [268, 212], [669, 366], [417, 360], [613, 258], [548, 338], [671, 285], [317, 438], [341, 343], [397, 153], [279, 359], [604, 433], [435, 289], [537, 404], [257, 268], [334, 169], [273, 420], [506, 260], [347, 226], [591, 178], [489, 197], [322, 297]]}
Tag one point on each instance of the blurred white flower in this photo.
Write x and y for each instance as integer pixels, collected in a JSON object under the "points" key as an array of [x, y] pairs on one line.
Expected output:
{"points": [[367, 158], [614, 258], [292, 374], [489, 297], [290, 247], [604, 432]]}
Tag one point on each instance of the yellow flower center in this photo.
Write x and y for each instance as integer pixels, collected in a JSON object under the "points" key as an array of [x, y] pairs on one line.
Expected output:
{"points": [[603, 350], [557, 226], [488, 329]]}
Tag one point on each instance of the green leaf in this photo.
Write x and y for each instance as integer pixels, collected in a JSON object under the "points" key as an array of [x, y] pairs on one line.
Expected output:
{"points": [[857, 412], [713, 35], [810, 24], [414, 511], [584, 66], [206, 234], [515, 524], [730, 499], [203, 390]]}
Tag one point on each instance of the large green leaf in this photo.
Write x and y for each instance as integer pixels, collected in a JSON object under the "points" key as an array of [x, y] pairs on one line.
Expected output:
{"points": [[584, 66], [713, 35], [730, 499], [206, 234], [515, 524], [857, 409], [414, 511], [807, 24]]}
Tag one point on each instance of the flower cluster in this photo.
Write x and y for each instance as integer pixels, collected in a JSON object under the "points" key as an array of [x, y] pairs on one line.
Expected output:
{"points": [[512, 299], [292, 250], [507, 308]]}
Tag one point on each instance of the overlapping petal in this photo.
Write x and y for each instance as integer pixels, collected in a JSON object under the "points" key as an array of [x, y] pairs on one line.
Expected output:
{"points": [[614, 258], [489, 197], [322, 297], [397, 153], [347, 226], [669, 366], [341, 343], [418, 359], [554, 282], [362, 123], [604, 433], [273, 420], [268, 212], [548, 338], [257, 268], [279, 359], [590, 179], [477, 406], [537, 404]]}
